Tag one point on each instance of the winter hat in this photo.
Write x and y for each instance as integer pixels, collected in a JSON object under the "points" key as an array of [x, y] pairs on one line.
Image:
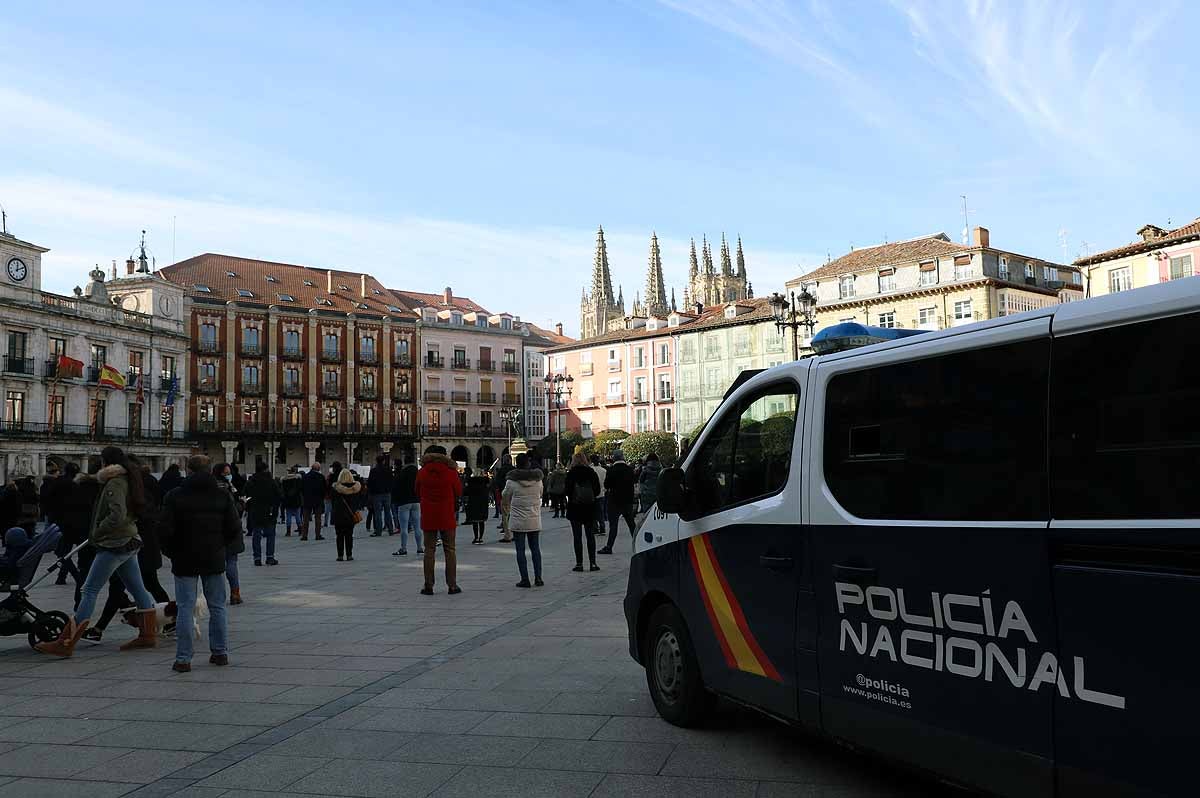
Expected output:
{"points": [[16, 536]]}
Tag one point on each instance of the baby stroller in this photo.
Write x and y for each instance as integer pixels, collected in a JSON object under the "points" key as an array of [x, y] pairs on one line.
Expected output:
{"points": [[17, 614]]}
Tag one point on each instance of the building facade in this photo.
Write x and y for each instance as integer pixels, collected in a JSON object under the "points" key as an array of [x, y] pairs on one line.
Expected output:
{"points": [[1161, 255], [65, 357], [599, 310], [709, 287], [931, 283], [293, 364], [471, 375], [536, 418]]}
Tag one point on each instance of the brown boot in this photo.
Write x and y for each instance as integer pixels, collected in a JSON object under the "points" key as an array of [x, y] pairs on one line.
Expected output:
{"points": [[147, 621], [235, 596], [64, 646]]}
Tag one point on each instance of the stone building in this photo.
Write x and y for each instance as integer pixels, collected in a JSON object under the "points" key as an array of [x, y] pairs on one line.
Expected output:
{"points": [[932, 283], [61, 403], [1161, 255], [709, 287], [294, 364], [599, 310]]}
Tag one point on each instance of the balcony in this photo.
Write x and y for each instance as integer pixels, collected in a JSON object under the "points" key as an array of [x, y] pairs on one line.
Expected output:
{"points": [[641, 398], [614, 399], [208, 387], [513, 399], [614, 365], [511, 368], [208, 347], [331, 356], [665, 396], [331, 427], [251, 388], [292, 353], [368, 358], [14, 364], [55, 431], [433, 361], [293, 390], [369, 392], [290, 428], [403, 361], [448, 431], [486, 398], [402, 397], [51, 369], [460, 397], [165, 379], [460, 363], [252, 350], [435, 396], [207, 427], [585, 369], [486, 365], [331, 391], [585, 401], [131, 378]]}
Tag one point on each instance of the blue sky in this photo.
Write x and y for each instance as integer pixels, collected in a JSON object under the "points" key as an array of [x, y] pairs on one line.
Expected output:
{"points": [[480, 144]]}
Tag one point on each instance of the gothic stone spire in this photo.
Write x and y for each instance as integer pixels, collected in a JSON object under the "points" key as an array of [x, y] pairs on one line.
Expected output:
{"points": [[707, 255], [726, 266], [601, 277], [741, 260], [693, 265], [656, 290], [674, 307]]}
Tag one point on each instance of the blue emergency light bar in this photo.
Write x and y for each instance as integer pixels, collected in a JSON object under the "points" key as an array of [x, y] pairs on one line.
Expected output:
{"points": [[851, 335]]}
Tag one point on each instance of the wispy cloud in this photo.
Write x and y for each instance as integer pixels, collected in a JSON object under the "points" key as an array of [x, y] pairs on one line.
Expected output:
{"points": [[1073, 73], [535, 272]]}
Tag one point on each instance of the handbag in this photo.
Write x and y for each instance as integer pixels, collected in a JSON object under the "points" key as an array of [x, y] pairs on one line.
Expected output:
{"points": [[355, 515]]}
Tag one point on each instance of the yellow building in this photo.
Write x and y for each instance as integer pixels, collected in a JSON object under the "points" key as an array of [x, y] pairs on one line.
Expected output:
{"points": [[931, 283], [1159, 256]]}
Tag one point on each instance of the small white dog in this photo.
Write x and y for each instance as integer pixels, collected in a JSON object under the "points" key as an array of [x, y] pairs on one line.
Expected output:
{"points": [[165, 614]]}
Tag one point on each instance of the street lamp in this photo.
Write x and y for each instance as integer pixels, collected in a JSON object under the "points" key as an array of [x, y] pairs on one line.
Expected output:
{"points": [[507, 415], [557, 387], [793, 312]]}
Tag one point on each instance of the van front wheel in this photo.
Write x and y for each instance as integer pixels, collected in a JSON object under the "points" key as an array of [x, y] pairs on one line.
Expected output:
{"points": [[672, 672]]}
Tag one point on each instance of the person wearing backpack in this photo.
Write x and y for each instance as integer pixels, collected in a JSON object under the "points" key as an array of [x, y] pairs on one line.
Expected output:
{"points": [[583, 491]]}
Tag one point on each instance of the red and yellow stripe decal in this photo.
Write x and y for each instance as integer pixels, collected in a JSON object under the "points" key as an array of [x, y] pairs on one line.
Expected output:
{"points": [[741, 649]]}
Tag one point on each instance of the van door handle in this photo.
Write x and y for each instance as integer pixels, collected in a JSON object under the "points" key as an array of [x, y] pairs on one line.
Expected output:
{"points": [[775, 563], [854, 574]]}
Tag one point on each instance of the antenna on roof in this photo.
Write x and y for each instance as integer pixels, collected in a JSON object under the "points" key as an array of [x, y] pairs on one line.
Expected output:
{"points": [[966, 233], [3, 220], [1062, 242]]}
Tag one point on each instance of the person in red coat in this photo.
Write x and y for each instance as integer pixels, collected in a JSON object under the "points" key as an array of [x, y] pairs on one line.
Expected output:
{"points": [[439, 488]]}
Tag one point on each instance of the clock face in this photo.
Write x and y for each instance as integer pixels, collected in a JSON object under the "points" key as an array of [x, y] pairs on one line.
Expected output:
{"points": [[17, 270], [164, 305], [130, 302]]}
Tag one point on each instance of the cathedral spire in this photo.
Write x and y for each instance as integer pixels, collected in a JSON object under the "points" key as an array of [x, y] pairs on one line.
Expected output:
{"points": [[693, 265], [656, 290], [726, 265], [741, 260], [674, 307], [621, 299], [707, 255], [601, 277]]}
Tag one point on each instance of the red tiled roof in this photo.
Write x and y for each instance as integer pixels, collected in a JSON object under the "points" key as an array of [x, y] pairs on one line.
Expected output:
{"points": [[712, 317], [552, 338], [420, 298], [887, 255], [212, 270], [1189, 232]]}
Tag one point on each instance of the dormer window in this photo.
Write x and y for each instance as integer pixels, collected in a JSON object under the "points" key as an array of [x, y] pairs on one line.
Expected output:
{"points": [[286, 297], [323, 301], [245, 292], [395, 309], [271, 279], [673, 321], [456, 319], [309, 283], [231, 274], [481, 321], [505, 323], [204, 289], [343, 287], [376, 292]]}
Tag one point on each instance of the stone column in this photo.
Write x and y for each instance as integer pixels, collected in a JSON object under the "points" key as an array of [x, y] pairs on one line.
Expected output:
{"points": [[271, 447], [350, 447], [230, 447], [312, 447]]}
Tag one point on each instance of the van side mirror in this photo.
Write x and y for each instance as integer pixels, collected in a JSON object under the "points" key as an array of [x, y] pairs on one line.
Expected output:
{"points": [[671, 495]]}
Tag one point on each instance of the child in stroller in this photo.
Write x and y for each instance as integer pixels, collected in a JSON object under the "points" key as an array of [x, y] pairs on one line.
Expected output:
{"points": [[18, 565]]}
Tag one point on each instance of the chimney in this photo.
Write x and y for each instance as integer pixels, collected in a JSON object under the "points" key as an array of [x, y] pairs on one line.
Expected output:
{"points": [[130, 265], [699, 308], [329, 281], [980, 237], [362, 281], [558, 328], [448, 296]]}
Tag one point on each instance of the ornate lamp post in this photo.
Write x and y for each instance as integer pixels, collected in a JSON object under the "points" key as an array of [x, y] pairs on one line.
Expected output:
{"points": [[557, 387], [508, 415], [793, 312]]}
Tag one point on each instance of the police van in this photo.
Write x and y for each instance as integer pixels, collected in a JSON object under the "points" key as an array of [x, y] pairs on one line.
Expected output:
{"points": [[975, 551]]}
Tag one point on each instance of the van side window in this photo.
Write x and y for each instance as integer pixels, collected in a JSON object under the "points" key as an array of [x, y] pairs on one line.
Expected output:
{"points": [[1125, 436], [960, 437], [748, 455]]}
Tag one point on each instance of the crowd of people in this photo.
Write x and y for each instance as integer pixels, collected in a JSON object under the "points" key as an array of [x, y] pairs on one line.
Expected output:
{"points": [[200, 520]]}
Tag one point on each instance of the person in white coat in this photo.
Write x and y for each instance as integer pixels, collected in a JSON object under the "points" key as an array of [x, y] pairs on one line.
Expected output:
{"points": [[522, 499]]}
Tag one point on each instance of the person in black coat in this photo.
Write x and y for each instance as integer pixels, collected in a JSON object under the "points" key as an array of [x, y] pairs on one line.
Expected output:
{"points": [[620, 486], [476, 494], [312, 491], [406, 506], [262, 508], [199, 526], [171, 479], [56, 499], [379, 494], [583, 491]]}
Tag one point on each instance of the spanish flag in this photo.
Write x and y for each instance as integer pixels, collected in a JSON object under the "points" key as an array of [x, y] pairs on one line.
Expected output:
{"points": [[111, 378], [68, 368]]}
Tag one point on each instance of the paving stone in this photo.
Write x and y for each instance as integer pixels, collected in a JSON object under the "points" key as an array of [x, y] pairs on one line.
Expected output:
{"points": [[498, 700], [265, 771], [243, 715], [343, 743], [59, 788], [472, 782], [405, 697], [463, 749], [441, 721], [598, 756], [179, 736], [607, 704], [306, 695], [141, 767], [56, 730], [55, 761], [622, 786], [534, 724], [376, 779]]}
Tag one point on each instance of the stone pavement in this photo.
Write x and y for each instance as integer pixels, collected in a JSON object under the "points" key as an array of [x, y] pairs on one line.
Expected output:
{"points": [[345, 681]]}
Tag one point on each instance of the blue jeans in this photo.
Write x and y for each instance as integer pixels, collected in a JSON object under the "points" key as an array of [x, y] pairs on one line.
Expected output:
{"points": [[292, 516], [125, 565], [408, 515], [231, 572], [259, 532], [185, 599], [535, 550], [382, 504]]}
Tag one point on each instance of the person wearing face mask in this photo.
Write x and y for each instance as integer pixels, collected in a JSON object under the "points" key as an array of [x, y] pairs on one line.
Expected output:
{"points": [[224, 474]]}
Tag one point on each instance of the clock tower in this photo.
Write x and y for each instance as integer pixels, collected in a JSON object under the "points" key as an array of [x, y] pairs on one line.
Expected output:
{"points": [[144, 290], [20, 262]]}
